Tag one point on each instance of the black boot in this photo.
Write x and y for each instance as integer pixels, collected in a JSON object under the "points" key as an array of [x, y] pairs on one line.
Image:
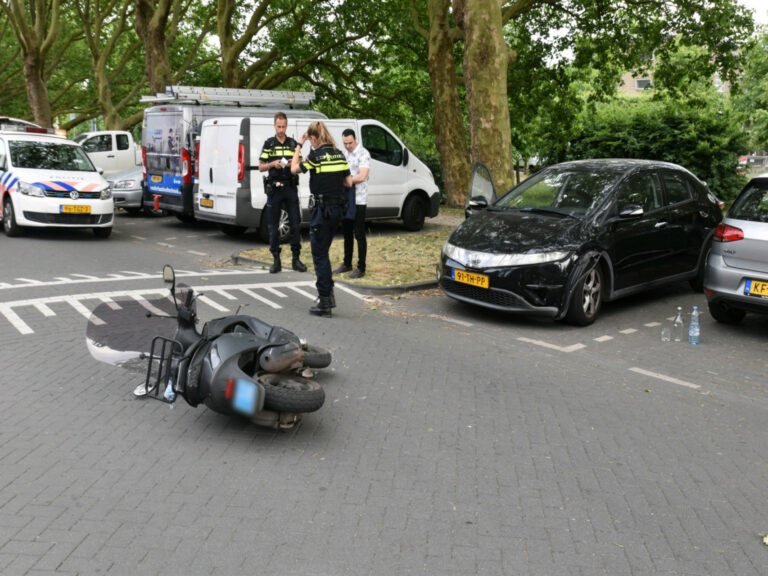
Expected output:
{"points": [[298, 265], [322, 307], [332, 298], [276, 266]]}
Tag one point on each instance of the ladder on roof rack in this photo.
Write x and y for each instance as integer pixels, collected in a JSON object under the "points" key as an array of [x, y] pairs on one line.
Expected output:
{"points": [[237, 96]]}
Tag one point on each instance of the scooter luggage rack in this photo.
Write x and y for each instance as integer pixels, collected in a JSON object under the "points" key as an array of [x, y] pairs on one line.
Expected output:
{"points": [[161, 354]]}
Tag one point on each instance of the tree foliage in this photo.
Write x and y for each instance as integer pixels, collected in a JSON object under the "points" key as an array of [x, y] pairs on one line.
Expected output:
{"points": [[751, 99]]}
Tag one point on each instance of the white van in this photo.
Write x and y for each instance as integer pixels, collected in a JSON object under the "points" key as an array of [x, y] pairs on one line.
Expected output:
{"points": [[170, 132], [47, 180], [230, 188]]}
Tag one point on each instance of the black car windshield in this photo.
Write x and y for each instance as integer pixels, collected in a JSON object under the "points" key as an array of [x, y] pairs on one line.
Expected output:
{"points": [[752, 204], [49, 156], [567, 190]]}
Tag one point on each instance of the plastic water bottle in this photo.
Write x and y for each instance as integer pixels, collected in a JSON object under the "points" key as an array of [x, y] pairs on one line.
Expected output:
{"points": [[678, 326], [170, 393], [694, 329]]}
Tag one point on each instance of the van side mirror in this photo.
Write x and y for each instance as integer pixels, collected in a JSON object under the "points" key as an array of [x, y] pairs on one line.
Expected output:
{"points": [[405, 156]]}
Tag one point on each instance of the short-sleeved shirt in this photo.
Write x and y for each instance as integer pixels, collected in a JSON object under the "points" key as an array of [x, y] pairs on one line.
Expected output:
{"points": [[273, 150], [359, 158], [328, 168]]}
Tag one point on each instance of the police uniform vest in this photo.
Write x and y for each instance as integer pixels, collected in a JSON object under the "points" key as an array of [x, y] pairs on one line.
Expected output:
{"points": [[328, 168], [275, 150]]}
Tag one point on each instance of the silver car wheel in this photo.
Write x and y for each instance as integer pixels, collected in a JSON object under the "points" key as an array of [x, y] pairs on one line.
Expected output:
{"points": [[591, 293]]}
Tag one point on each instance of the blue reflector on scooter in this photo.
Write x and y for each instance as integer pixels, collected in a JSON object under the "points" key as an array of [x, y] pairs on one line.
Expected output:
{"points": [[245, 397]]}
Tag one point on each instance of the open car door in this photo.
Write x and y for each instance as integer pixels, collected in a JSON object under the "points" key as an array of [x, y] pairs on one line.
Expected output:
{"points": [[482, 192]]}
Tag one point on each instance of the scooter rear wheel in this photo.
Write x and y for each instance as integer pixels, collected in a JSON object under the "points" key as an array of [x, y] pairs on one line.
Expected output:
{"points": [[289, 393], [316, 357]]}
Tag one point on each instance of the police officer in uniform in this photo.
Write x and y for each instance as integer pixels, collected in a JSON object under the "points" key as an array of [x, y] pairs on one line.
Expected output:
{"points": [[281, 186], [329, 174]]}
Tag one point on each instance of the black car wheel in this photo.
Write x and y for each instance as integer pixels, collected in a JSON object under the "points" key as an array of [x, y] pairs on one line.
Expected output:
{"points": [[725, 315], [9, 220], [587, 298]]}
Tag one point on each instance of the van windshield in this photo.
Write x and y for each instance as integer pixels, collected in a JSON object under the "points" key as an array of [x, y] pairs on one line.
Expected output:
{"points": [[49, 156]]}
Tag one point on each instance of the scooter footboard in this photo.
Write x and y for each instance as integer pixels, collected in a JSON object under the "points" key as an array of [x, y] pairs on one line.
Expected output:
{"points": [[164, 357]]}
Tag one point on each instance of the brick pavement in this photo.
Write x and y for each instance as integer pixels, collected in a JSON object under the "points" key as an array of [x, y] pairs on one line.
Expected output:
{"points": [[441, 449]]}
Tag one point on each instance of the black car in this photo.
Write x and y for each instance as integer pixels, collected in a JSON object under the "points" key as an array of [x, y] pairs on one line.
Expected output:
{"points": [[577, 234]]}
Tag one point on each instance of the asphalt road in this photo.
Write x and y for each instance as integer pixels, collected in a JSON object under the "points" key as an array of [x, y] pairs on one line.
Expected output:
{"points": [[452, 441]]}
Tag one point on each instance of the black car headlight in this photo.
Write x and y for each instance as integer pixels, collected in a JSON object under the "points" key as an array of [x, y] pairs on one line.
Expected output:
{"points": [[475, 259]]}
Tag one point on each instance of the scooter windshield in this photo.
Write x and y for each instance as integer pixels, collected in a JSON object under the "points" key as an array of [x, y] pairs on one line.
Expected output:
{"points": [[120, 332]]}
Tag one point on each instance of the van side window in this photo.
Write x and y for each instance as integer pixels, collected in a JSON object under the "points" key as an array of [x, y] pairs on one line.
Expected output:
{"points": [[381, 145], [122, 141], [101, 143]]}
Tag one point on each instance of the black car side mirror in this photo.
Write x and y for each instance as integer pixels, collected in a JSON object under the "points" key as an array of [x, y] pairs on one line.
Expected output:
{"points": [[478, 203], [631, 211]]}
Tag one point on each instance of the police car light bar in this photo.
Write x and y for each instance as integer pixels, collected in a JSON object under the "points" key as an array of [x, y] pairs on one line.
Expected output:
{"points": [[238, 96], [26, 129]]}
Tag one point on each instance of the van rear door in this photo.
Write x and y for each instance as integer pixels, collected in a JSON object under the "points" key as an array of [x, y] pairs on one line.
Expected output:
{"points": [[221, 166]]}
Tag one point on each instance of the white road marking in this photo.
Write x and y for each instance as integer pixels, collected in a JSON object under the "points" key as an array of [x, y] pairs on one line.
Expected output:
{"points": [[652, 324], [196, 253], [451, 320], [86, 276], [261, 299], [64, 280], [164, 245], [277, 293], [628, 331], [138, 237], [224, 293], [603, 338], [29, 282], [566, 349], [44, 309], [212, 304], [7, 309], [14, 319], [664, 378]]}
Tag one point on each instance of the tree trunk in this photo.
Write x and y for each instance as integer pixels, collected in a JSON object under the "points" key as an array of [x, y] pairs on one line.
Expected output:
{"points": [[151, 21], [486, 58], [450, 132], [37, 90]]}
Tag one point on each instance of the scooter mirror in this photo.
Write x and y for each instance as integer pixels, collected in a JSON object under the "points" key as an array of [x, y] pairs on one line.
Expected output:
{"points": [[169, 276]]}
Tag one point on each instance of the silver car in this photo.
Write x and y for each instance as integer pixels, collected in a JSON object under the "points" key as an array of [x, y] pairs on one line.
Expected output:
{"points": [[736, 279]]}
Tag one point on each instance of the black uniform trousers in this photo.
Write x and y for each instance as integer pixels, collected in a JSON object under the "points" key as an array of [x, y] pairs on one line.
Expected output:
{"points": [[288, 195], [322, 227]]}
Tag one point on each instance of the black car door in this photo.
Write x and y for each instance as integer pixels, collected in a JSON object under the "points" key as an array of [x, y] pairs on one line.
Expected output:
{"points": [[640, 235], [683, 221]]}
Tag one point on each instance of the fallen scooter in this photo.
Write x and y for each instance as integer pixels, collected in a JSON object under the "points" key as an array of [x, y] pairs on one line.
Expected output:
{"points": [[237, 365]]}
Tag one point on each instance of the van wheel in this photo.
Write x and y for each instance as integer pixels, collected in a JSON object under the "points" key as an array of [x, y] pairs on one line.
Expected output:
{"points": [[414, 212], [9, 220], [102, 232], [232, 230], [284, 228]]}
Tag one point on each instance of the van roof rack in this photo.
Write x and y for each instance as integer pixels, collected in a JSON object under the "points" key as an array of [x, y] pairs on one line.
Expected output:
{"points": [[236, 96]]}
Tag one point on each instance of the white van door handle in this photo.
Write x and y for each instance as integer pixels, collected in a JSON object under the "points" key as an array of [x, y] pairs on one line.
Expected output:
{"points": [[210, 174]]}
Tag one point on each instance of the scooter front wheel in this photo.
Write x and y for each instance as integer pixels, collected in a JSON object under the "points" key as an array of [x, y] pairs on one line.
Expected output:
{"points": [[316, 357], [289, 393]]}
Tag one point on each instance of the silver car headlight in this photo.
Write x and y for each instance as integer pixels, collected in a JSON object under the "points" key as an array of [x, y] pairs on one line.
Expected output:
{"points": [[476, 259], [106, 194], [125, 184], [31, 190]]}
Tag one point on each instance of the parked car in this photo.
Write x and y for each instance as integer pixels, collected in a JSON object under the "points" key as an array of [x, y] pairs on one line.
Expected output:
{"points": [[127, 191], [111, 151], [736, 280], [47, 180], [578, 234]]}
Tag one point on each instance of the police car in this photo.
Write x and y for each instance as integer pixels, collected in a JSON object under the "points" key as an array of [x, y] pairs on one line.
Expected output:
{"points": [[49, 181]]}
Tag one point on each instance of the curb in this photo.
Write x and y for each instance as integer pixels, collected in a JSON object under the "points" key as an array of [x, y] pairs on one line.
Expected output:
{"points": [[397, 289]]}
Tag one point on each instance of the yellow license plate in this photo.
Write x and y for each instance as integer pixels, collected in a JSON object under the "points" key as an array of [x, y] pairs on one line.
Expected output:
{"points": [[479, 280], [206, 202], [74, 209], [756, 288], [157, 178]]}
